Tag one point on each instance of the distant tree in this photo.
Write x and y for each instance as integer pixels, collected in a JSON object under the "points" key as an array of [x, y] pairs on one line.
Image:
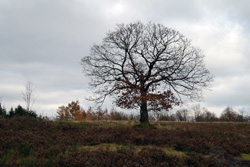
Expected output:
{"points": [[172, 117], [117, 115], [182, 114], [157, 115], [68, 116], [164, 116], [203, 115], [73, 108], [80, 115], [89, 114], [61, 113], [20, 111], [133, 117], [101, 114], [151, 117], [28, 95], [11, 113], [72, 111], [242, 116], [146, 66], [247, 118], [208, 116], [2, 110], [229, 115], [197, 112], [46, 118]]}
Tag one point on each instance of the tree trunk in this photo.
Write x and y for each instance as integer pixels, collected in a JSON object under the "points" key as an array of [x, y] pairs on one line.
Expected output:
{"points": [[144, 109], [144, 114]]}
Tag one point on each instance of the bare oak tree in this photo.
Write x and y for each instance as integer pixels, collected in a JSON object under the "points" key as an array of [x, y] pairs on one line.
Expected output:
{"points": [[146, 66], [28, 95]]}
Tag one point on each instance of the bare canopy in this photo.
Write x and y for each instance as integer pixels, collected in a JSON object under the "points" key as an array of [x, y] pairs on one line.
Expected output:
{"points": [[28, 95], [148, 66]]}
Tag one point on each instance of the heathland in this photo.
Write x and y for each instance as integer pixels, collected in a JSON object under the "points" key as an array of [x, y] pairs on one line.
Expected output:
{"points": [[26, 141]]}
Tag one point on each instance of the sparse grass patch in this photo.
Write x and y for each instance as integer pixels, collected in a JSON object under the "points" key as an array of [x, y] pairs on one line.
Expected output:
{"points": [[244, 156], [145, 125], [24, 150], [133, 148], [6, 157], [171, 151], [105, 146], [27, 161]]}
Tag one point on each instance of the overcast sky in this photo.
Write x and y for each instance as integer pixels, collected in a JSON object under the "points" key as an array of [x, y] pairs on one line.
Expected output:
{"points": [[44, 40]]}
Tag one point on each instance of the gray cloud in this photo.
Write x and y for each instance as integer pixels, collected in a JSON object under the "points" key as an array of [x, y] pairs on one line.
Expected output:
{"points": [[44, 40], [235, 11], [170, 10]]}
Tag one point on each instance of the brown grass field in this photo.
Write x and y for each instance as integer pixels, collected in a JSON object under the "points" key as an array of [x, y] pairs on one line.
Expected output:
{"points": [[32, 142]]}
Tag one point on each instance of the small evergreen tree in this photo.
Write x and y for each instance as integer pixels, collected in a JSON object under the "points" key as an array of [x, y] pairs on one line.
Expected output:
{"points": [[2, 111], [20, 111], [11, 113]]}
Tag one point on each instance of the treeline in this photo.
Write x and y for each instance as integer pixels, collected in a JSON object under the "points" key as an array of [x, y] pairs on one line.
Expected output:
{"points": [[203, 115], [74, 112], [18, 111]]}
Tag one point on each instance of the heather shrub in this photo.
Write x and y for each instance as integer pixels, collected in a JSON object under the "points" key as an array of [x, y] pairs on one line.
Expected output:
{"points": [[28, 141]]}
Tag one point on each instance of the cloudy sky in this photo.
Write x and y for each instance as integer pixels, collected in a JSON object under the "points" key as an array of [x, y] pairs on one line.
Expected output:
{"points": [[44, 40]]}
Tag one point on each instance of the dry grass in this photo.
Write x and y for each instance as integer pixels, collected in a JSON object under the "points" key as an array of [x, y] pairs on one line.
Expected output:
{"points": [[32, 142]]}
